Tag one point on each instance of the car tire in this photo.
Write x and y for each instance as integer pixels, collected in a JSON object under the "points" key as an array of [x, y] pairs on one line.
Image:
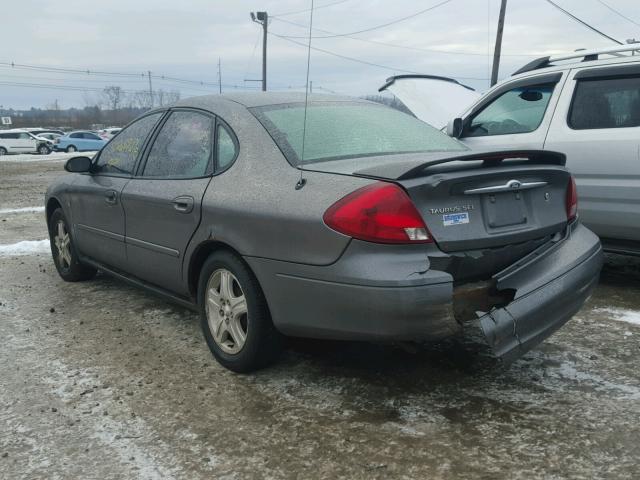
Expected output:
{"points": [[71, 149], [223, 321], [3, 151], [63, 250], [44, 150]]}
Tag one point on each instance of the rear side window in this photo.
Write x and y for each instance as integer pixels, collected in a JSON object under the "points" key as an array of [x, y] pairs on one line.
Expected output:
{"points": [[119, 156], [226, 148], [182, 149], [606, 103], [519, 110]]}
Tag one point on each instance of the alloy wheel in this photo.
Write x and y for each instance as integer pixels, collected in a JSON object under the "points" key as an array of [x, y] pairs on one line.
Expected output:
{"points": [[226, 308], [62, 241]]}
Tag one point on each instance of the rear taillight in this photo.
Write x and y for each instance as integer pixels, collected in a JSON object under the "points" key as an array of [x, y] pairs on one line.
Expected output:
{"points": [[381, 213], [572, 199]]}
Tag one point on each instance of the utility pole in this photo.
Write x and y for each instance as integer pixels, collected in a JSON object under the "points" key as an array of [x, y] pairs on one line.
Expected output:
{"points": [[150, 89], [496, 52], [310, 86], [219, 76], [263, 19]]}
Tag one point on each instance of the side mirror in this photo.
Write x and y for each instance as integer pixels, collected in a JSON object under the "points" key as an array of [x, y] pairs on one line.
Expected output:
{"points": [[78, 165], [531, 96], [454, 128]]}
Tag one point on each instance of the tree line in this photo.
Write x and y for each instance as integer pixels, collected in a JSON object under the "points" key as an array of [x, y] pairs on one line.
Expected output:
{"points": [[112, 107]]}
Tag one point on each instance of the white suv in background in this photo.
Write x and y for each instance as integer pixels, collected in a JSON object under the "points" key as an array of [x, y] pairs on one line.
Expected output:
{"points": [[585, 105], [21, 141]]}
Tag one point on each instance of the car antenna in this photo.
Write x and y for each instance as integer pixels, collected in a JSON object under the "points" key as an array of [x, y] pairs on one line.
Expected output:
{"points": [[301, 183]]}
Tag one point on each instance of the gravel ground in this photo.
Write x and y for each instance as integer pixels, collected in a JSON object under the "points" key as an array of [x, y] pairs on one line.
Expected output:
{"points": [[101, 380]]}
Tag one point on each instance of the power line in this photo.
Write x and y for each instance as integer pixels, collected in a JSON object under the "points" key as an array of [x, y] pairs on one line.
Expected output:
{"points": [[413, 15], [308, 9], [352, 59], [582, 22], [618, 13], [393, 45], [100, 73], [80, 88]]}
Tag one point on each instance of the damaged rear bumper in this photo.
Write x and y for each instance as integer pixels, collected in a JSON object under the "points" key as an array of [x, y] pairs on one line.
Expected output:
{"points": [[393, 293], [551, 284]]}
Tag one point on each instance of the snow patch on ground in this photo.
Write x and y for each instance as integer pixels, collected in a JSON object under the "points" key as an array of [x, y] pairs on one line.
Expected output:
{"points": [[25, 247], [21, 210], [621, 314], [52, 157]]}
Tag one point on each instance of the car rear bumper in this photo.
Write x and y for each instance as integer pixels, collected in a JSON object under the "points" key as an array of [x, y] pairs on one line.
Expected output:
{"points": [[372, 295], [549, 291]]}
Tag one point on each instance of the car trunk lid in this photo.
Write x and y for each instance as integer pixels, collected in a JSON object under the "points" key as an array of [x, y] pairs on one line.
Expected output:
{"points": [[476, 201]]}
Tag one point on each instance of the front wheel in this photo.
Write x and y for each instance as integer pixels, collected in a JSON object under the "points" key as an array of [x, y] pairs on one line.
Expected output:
{"points": [[234, 315], [71, 149], [44, 150], [64, 252]]}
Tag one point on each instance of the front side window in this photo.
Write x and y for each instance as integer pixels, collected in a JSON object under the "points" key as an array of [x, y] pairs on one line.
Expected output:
{"points": [[606, 103], [342, 130], [182, 149], [226, 148], [519, 110], [119, 156]]}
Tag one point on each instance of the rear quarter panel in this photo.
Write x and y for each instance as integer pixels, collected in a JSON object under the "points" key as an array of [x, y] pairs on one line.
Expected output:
{"points": [[255, 208]]}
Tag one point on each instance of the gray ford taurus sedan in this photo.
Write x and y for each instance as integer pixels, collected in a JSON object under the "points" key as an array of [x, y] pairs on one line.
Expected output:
{"points": [[361, 223]]}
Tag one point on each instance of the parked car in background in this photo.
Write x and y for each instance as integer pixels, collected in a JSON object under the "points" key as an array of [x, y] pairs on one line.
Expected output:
{"points": [[381, 228], [48, 135], [109, 133], [21, 141], [584, 104], [79, 141], [38, 131]]}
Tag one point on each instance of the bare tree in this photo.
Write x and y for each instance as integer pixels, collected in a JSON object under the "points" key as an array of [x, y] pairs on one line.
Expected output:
{"points": [[114, 97], [165, 97], [141, 99]]}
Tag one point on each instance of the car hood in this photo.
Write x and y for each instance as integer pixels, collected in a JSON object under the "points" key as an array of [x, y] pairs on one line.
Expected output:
{"points": [[434, 100]]}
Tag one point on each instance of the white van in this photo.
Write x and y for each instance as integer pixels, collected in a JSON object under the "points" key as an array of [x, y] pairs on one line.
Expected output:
{"points": [[21, 141]]}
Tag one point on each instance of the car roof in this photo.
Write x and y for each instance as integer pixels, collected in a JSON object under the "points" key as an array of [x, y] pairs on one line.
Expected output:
{"points": [[257, 99]]}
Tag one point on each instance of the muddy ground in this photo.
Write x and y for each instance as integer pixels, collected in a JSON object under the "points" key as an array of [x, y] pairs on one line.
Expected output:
{"points": [[101, 380]]}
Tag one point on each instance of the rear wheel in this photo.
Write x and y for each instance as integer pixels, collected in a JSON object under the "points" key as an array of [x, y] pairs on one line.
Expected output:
{"points": [[234, 315], [64, 252], [3, 151], [71, 149]]}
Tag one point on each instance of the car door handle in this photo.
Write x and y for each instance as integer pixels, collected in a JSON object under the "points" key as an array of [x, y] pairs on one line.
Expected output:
{"points": [[183, 204], [111, 197]]}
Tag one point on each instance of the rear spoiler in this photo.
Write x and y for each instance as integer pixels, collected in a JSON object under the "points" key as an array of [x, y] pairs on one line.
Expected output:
{"points": [[491, 159]]}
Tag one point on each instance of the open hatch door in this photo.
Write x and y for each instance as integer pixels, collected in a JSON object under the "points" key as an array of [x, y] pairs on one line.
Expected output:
{"points": [[434, 100]]}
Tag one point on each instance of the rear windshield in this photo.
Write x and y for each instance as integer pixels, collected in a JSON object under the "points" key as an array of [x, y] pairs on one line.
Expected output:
{"points": [[341, 130]]}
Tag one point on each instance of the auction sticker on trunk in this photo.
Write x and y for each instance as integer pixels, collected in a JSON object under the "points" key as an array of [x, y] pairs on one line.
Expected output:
{"points": [[455, 219]]}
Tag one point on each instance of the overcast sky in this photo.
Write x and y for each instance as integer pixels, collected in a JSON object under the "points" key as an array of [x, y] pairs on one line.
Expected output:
{"points": [[185, 38]]}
